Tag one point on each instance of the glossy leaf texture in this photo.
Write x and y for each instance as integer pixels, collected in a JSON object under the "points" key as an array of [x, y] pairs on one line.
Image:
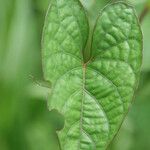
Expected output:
{"points": [[95, 96]]}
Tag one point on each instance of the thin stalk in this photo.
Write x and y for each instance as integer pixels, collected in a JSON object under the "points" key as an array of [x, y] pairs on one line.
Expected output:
{"points": [[144, 12]]}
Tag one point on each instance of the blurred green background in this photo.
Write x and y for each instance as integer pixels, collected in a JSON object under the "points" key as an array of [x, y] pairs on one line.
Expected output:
{"points": [[25, 122]]}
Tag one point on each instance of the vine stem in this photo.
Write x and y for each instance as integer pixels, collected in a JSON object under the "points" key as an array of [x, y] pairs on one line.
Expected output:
{"points": [[144, 12]]}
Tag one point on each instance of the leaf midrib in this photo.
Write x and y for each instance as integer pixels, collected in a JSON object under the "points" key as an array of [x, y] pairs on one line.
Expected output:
{"points": [[83, 97], [84, 68]]}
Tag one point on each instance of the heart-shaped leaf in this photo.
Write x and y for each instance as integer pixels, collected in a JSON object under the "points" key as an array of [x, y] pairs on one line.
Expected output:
{"points": [[93, 92]]}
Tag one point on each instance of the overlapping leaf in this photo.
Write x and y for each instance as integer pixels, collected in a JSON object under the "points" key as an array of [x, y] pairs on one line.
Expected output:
{"points": [[93, 95]]}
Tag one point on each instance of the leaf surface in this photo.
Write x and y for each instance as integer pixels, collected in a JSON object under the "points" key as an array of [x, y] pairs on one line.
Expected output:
{"points": [[93, 97]]}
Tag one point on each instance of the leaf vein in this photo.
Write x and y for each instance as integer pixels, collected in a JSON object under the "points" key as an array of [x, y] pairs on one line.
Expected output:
{"points": [[99, 105], [111, 82]]}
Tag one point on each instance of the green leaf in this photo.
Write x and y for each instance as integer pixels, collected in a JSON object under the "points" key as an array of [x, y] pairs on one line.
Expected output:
{"points": [[93, 97]]}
